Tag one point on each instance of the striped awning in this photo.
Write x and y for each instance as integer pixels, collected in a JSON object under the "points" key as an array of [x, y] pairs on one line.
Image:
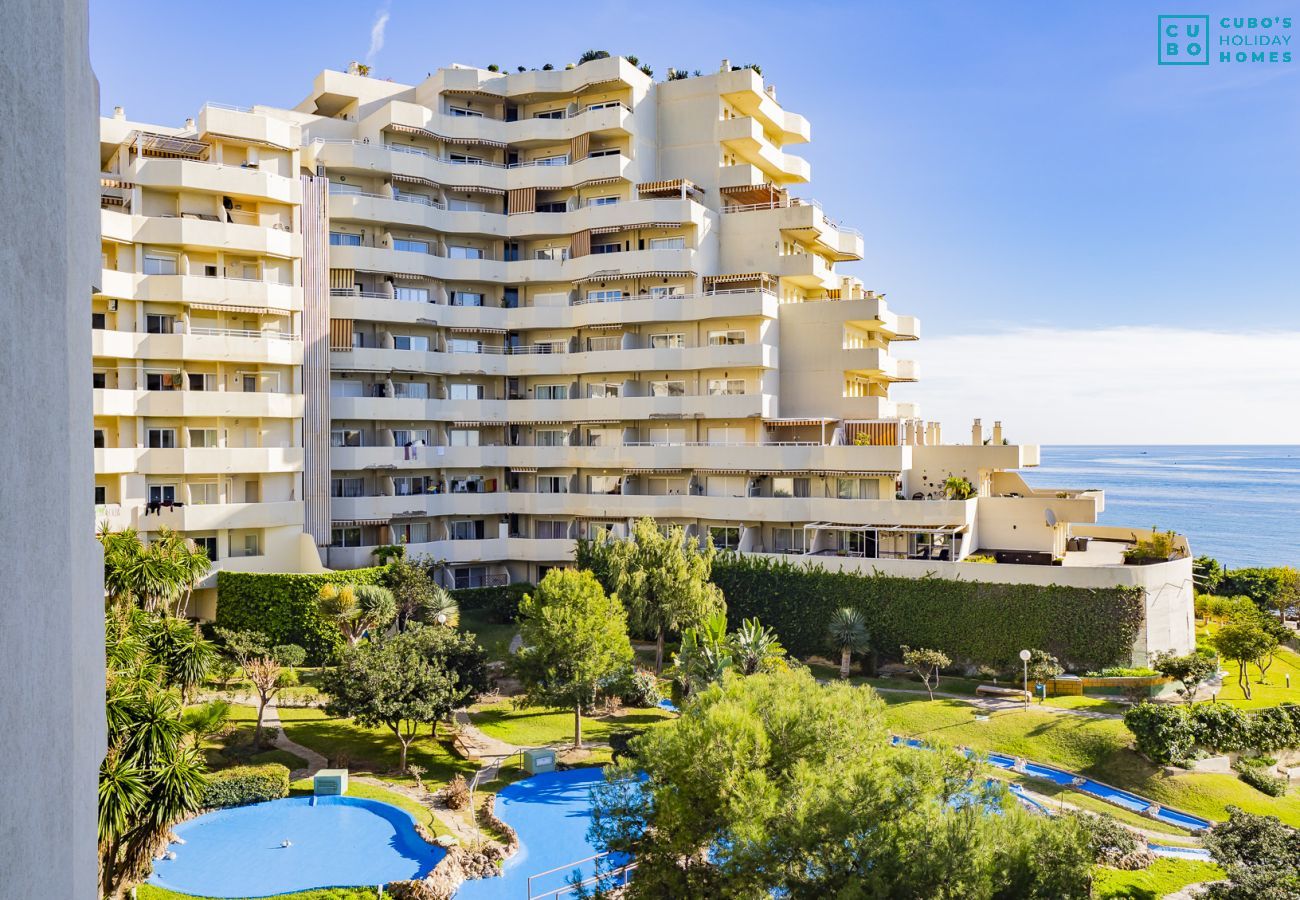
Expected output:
{"points": [[653, 471], [345, 523], [475, 188], [599, 422], [610, 229], [747, 194], [595, 182], [474, 329], [606, 327], [246, 310], [415, 179], [672, 185], [251, 142], [474, 424], [398, 276], [433, 135], [795, 423], [859, 473], [708, 470], [523, 470], [155, 144], [630, 276], [731, 279], [538, 422]]}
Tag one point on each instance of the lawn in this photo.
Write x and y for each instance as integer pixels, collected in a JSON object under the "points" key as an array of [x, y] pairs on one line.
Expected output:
{"points": [[537, 726], [492, 637], [1088, 703], [1285, 662], [418, 811], [1164, 877], [1101, 748]]}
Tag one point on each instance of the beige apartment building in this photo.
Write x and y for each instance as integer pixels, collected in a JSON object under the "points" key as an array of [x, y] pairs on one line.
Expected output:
{"points": [[487, 315]]}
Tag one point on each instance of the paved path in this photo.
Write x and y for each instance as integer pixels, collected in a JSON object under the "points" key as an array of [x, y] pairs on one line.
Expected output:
{"points": [[998, 704], [315, 762]]}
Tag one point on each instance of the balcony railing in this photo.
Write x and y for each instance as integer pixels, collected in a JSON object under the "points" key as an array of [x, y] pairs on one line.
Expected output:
{"points": [[399, 197], [246, 333], [789, 203]]}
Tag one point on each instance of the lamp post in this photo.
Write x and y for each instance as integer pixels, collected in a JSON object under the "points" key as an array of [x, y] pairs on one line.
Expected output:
{"points": [[1024, 658]]}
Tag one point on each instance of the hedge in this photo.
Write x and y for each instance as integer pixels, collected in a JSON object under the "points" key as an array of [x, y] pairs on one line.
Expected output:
{"points": [[501, 604], [1169, 734], [974, 622], [284, 607], [242, 785]]}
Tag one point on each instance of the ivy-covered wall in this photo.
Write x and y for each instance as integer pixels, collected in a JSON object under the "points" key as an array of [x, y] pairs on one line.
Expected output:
{"points": [[973, 622], [284, 608]]}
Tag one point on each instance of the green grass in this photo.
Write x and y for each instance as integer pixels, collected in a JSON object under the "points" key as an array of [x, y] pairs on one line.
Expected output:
{"points": [[1101, 748], [536, 726], [1275, 692], [1094, 804], [1164, 877], [1088, 704], [492, 637], [150, 892]]}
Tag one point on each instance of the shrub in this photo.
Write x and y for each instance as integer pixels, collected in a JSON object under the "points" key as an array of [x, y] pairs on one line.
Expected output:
{"points": [[501, 604], [982, 558], [284, 608], [1112, 844], [1275, 728], [1220, 728], [975, 622], [589, 55], [1157, 548], [1162, 733], [1126, 672], [1263, 780], [1257, 762], [457, 793], [242, 785], [637, 687]]}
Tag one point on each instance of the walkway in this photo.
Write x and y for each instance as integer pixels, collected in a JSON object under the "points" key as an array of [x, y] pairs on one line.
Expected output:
{"points": [[998, 704], [315, 762]]}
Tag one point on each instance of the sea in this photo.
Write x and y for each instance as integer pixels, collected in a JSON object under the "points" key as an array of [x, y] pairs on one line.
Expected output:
{"points": [[1239, 504]]}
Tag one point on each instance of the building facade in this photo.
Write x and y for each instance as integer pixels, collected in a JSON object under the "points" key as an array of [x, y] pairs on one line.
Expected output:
{"points": [[552, 303]]}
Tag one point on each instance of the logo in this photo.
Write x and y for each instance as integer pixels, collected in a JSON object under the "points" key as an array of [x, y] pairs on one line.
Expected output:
{"points": [[1183, 41], [1186, 40]]}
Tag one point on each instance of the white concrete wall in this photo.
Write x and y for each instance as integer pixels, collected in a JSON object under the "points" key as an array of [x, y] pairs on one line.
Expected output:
{"points": [[51, 611]]}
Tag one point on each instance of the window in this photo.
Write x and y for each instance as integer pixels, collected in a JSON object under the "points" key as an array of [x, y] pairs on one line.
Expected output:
{"points": [[346, 388], [725, 537], [466, 530], [462, 111], [345, 537], [668, 243], [667, 341], [668, 389], [411, 390], [552, 484], [101, 495], [159, 264], [726, 485], [597, 531], [410, 246], [203, 437], [97, 321], [458, 205], [411, 533], [601, 391], [857, 489], [200, 381], [552, 206], [668, 436], [208, 545], [161, 438], [159, 324], [463, 437], [726, 386], [726, 436], [604, 296], [726, 338], [552, 437], [560, 160], [546, 530], [549, 114], [464, 345], [602, 201], [788, 540], [606, 248], [551, 392], [404, 436], [469, 577], [788, 486], [464, 252], [162, 493], [358, 339], [345, 437], [347, 487], [99, 379], [342, 239], [409, 485], [410, 342], [604, 151], [465, 392], [860, 543], [413, 295], [604, 484], [558, 254], [609, 104], [99, 439], [464, 159], [204, 493], [658, 293], [466, 298]]}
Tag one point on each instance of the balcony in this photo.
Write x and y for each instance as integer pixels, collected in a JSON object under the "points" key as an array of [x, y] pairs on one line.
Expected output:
{"points": [[745, 137], [200, 289], [733, 406], [744, 89], [208, 404], [806, 222], [807, 270], [208, 177], [195, 232], [200, 344], [609, 121], [217, 516], [220, 460]]}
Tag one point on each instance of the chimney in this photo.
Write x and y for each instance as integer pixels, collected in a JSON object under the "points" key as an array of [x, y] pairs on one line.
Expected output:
{"points": [[771, 91], [189, 124], [997, 432], [726, 66], [119, 113], [977, 433]]}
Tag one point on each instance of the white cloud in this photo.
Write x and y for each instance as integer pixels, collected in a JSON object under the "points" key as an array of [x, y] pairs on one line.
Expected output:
{"points": [[377, 34], [1112, 385]]}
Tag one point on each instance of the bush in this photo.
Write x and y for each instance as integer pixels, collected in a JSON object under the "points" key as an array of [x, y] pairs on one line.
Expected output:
{"points": [[242, 785], [1275, 728], [1163, 733], [501, 604], [1157, 548], [457, 793], [973, 622], [284, 608], [1126, 672], [1220, 728], [1112, 844], [636, 687], [1263, 780]]}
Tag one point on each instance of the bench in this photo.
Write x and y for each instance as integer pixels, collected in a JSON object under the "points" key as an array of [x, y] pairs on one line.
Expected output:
{"points": [[994, 690]]}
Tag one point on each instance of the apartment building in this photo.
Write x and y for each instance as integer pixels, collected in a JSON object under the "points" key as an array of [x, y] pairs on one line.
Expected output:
{"points": [[537, 307], [197, 338]]}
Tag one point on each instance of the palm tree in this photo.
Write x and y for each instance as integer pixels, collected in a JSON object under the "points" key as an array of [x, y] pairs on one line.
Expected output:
{"points": [[158, 576], [357, 608], [439, 607], [182, 651], [958, 488], [755, 648], [848, 634], [703, 657]]}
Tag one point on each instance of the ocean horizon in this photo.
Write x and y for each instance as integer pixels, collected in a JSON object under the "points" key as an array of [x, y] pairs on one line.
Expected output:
{"points": [[1237, 503]]}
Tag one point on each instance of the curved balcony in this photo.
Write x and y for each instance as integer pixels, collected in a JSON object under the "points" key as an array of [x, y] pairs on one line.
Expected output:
{"points": [[207, 177], [449, 504], [180, 231], [745, 136], [226, 345], [207, 404], [358, 459], [217, 516], [199, 289], [220, 460], [611, 121], [615, 409]]}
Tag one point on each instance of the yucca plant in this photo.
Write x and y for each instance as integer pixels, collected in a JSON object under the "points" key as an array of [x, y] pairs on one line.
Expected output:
{"points": [[849, 635]]}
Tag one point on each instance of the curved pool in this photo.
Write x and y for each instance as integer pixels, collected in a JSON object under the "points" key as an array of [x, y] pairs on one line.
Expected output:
{"points": [[334, 842], [550, 813]]}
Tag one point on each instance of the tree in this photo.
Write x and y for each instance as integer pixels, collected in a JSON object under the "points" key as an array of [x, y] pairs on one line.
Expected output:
{"points": [[178, 645], [957, 487], [1260, 855], [1275, 589], [574, 638], [662, 579], [1279, 633], [291, 656], [1191, 670], [926, 664], [159, 576], [755, 648], [1244, 641], [1043, 666], [405, 680], [418, 597], [1206, 574], [358, 608], [704, 656], [774, 785], [257, 659], [848, 634], [151, 776]]}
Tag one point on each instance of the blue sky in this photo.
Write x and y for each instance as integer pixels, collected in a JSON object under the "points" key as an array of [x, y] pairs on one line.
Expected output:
{"points": [[1013, 165]]}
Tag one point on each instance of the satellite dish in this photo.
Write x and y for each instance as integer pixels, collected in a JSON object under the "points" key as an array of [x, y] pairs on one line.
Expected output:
{"points": [[1051, 517]]}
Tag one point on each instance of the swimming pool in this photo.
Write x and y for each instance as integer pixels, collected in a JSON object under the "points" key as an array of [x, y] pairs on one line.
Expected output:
{"points": [[334, 842], [550, 813]]}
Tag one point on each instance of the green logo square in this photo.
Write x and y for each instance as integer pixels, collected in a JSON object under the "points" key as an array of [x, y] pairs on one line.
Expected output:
{"points": [[1183, 40]]}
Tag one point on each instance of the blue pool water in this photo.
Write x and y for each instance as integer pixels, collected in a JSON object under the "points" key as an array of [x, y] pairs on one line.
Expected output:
{"points": [[550, 813], [338, 842]]}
